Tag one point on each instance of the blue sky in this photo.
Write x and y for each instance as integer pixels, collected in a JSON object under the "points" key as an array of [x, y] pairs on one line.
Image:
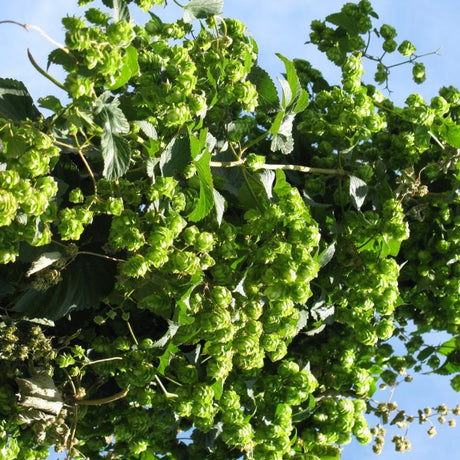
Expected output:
{"points": [[282, 26]]}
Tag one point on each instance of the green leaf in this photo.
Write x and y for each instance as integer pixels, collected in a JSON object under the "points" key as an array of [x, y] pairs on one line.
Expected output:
{"points": [[111, 116], [301, 101], [147, 128], [390, 247], [283, 141], [84, 283], [165, 358], [425, 353], [115, 149], [448, 347], [358, 191], [455, 383], [202, 9], [51, 103], [291, 76], [206, 199], [182, 305], [345, 21], [170, 333], [219, 203], [282, 187], [116, 154], [129, 68], [266, 89], [450, 132], [197, 144], [15, 101], [175, 157]]}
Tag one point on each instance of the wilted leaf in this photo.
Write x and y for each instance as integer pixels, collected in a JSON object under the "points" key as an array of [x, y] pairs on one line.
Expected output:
{"points": [[39, 397]]}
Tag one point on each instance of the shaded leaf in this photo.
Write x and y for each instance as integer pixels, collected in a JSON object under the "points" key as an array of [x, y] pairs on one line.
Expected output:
{"points": [[175, 157], [39, 397], [84, 283], [202, 9], [358, 191], [327, 255], [455, 383], [425, 353], [15, 101]]}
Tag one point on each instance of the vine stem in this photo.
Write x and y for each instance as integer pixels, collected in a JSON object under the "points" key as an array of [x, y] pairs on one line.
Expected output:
{"points": [[43, 34], [304, 169], [44, 72], [108, 399]]}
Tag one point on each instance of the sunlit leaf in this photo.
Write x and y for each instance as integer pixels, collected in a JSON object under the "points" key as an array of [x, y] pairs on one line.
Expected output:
{"points": [[202, 9]]}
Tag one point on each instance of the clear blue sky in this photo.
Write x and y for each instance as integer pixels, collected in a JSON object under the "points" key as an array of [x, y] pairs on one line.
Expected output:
{"points": [[282, 26]]}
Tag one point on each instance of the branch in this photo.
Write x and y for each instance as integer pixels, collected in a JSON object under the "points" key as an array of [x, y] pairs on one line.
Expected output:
{"points": [[304, 169]]}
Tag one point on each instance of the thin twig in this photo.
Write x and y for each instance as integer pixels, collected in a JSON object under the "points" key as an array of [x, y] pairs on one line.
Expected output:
{"points": [[90, 171], [102, 256]]}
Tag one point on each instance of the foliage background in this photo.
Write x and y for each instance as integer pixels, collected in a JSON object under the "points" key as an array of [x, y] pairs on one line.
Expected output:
{"points": [[283, 27]]}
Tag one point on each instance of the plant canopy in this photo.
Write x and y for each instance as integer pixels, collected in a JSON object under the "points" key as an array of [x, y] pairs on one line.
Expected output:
{"points": [[198, 262]]}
